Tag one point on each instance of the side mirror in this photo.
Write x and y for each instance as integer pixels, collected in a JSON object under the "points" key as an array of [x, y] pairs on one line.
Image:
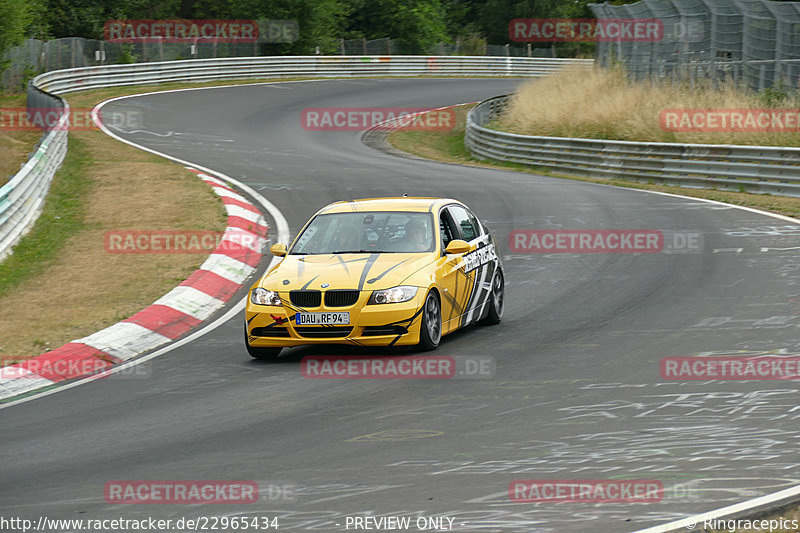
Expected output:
{"points": [[278, 249], [457, 246]]}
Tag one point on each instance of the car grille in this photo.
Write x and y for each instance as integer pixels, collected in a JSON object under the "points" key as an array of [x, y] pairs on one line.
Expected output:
{"points": [[372, 331], [269, 331], [323, 332], [340, 298], [305, 298]]}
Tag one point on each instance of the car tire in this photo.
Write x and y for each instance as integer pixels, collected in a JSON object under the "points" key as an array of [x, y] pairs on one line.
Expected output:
{"points": [[430, 331], [497, 301], [264, 354]]}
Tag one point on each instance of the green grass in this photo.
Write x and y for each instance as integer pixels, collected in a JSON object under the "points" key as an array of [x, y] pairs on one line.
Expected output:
{"points": [[62, 218], [15, 146]]}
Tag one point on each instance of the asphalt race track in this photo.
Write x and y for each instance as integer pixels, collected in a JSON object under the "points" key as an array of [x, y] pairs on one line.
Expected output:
{"points": [[577, 392]]}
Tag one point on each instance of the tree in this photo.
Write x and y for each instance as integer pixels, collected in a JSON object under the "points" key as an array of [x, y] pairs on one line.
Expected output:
{"points": [[15, 17], [320, 21], [417, 25]]}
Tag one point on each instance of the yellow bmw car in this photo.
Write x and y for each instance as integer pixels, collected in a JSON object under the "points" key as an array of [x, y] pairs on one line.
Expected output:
{"points": [[377, 272]]}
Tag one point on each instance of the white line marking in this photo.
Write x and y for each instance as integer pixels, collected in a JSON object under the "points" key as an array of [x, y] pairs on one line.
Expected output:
{"points": [[780, 249], [282, 228], [720, 250], [193, 302], [124, 340], [715, 202], [697, 520], [118, 368], [228, 268], [247, 214], [283, 236]]}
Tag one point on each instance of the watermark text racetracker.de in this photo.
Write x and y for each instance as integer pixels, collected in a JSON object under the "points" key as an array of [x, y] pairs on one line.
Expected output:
{"points": [[730, 120], [586, 490], [65, 368], [194, 492], [156, 525], [401, 367], [179, 241], [59, 119], [603, 241], [201, 31], [366, 118], [586, 30], [770, 367]]}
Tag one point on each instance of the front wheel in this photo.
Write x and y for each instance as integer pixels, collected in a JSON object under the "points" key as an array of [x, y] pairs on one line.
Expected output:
{"points": [[496, 299], [264, 354], [430, 332]]}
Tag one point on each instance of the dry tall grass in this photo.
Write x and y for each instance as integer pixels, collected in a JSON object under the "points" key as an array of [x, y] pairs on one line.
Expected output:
{"points": [[15, 147], [603, 104]]}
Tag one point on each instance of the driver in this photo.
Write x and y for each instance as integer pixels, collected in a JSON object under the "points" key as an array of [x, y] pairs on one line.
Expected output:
{"points": [[347, 238], [416, 235]]}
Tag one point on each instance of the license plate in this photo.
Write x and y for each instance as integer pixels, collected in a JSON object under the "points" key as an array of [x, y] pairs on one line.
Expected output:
{"points": [[322, 319]]}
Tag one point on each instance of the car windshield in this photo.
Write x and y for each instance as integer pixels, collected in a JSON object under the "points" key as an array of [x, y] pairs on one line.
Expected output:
{"points": [[367, 232]]}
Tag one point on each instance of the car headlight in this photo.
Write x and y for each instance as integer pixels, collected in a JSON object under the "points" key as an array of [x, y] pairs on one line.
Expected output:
{"points": [[261, 296], [394, 295]]}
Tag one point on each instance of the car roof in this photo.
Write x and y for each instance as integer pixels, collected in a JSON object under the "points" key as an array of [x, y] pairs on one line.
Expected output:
{"points": [[399, 203]]}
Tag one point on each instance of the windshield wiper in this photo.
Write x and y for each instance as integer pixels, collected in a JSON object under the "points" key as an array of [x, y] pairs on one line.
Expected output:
{"points": [[357, 252]]}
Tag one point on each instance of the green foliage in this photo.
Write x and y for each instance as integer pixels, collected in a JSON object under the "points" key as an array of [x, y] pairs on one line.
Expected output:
{"points": [[473, 44], [61, 218], [415, 26], [15, 16], [780, 94], [421, 26], [126, 55], [4, 64], [28, 73]]}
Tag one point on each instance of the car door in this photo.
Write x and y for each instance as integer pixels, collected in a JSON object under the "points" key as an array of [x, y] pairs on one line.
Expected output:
{"points": [[449, 275], [477, 266]]}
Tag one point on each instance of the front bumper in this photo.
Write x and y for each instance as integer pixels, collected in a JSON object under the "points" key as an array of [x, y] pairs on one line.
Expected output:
{"points": [[396, 324]]}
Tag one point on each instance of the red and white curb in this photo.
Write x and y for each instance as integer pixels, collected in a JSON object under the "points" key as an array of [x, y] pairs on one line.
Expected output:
{"points": [[183, 308]]}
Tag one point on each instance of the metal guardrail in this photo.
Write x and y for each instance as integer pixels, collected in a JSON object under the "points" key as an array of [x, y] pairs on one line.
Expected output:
{"points": [[61, 81], [21, 199], [758, 169]]}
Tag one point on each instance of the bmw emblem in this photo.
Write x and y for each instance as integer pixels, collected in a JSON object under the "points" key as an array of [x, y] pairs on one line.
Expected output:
{"points": [[325, 285]]}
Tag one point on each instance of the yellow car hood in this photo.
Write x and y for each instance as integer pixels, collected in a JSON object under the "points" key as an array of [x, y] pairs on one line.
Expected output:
{"points": [[345, 271]]}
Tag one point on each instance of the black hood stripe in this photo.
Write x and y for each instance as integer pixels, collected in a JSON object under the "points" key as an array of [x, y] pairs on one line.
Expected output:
{"points": [[309, 282], [377, 278], [370, 261], [343, 263]]}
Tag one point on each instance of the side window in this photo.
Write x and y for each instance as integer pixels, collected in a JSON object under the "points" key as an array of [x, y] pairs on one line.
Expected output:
{"points": [[465, 221], [446, 229]]}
